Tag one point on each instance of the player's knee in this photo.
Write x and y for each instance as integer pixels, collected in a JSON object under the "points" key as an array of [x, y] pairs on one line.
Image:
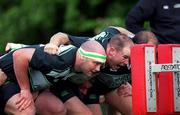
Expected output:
{"points": [[14, 111], [31, 110], [86, 112], [89, 113], [59, 111], [11, 107]]}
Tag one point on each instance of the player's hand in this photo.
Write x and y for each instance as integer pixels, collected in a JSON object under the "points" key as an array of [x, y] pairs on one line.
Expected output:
{"points": [[51, 48], [125, 90], [3, 77], [8, 46], [25, 100]]}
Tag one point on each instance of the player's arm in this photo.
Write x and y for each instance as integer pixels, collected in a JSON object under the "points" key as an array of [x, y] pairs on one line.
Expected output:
{"points": [[124, 31], [21, 59], [61, 39], [56, 40], [143, 11]]}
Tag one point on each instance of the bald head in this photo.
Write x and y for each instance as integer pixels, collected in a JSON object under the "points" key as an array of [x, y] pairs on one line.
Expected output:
{"points": [[93, 46], [93, 49], [145, 37]]}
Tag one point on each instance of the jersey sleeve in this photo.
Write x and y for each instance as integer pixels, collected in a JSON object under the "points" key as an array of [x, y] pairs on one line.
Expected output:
{"points": [[77, 41], [142, 12], [111, 30], [45, 62]]}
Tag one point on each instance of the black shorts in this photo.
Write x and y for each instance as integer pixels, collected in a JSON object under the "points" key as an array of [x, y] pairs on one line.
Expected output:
{"points": [[65, 90], [6, 92], [97, 89]]}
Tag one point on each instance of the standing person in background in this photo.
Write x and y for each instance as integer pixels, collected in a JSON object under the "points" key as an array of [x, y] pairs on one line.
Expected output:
{"points": [[163, 16]]}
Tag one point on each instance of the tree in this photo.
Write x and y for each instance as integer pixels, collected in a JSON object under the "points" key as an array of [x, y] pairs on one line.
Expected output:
{"points": [[35, 21]]}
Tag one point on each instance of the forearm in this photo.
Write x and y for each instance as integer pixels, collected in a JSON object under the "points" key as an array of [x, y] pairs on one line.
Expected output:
{"points": [[133, 24], [135, 19], [59, 38], [21, 63], [143, 11], [124, 31]]}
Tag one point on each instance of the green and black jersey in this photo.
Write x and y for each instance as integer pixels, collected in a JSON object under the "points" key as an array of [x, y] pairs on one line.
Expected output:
{"points": [[107, 80], [44, 69]]}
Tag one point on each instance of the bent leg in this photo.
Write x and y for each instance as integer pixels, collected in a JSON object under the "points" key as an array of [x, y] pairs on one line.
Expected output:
{"points": [[95, 109], [121, 99], [112, 111], [76, 107], [48, 104], [9, 96], [70, 95], [11, 108]]}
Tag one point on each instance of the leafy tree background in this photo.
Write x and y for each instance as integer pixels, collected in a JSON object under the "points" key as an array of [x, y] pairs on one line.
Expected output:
{"points": [[35, 21]]}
